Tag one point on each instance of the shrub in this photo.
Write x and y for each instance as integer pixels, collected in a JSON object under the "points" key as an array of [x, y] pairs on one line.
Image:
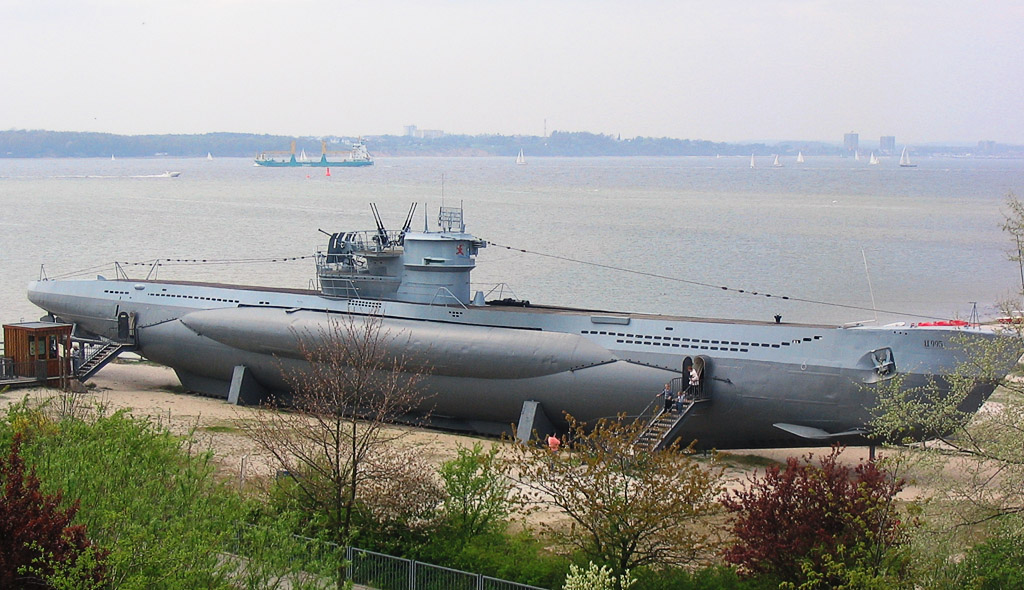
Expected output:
{"points": [[806, 520], [36, 534]]}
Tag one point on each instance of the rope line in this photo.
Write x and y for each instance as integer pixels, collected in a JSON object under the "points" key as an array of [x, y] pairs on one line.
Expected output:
{"points": [[709, 285], [200, 261], [181, 262]]}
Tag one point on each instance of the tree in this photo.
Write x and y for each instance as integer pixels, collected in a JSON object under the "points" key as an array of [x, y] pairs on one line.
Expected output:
{"points": [[477, 492], [972, 463], [815, 521], [348, 388], [628, 509], [36, 534]]}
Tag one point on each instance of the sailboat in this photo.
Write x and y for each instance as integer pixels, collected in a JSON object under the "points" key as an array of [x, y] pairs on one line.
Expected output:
{"points": [[874, 159], [520, 159], [209, 156], [905, 160], [799, 157], [113, 158], [777, 163], [752, 161], [856, 156]]}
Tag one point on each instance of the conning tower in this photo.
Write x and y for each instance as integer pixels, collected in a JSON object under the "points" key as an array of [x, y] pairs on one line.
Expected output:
{"points": [[415, 267], [437, 265]]}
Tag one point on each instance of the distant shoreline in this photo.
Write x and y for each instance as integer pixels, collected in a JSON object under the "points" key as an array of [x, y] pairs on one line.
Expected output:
{"points": [[72, 144]]}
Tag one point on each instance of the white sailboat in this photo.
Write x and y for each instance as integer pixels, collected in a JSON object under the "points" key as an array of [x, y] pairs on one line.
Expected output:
{"points": [[209, 156], [113, 158], [856, 156], [777, 163], [520, 159], [874, 159], [799, 157], [905, 160], [752, 161]]}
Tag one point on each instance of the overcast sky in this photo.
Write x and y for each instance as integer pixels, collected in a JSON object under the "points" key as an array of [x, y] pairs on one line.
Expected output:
{"points": [[922, 70]]}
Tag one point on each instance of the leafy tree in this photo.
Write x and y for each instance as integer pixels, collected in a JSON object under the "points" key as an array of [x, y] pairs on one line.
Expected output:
{"points": [[477, 492], [628, 509], [36, 534], [822, 523], [973, 463]]}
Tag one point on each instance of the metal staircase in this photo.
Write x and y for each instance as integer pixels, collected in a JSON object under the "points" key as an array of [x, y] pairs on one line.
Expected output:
{"points": [[664, 428], [98, 359]]}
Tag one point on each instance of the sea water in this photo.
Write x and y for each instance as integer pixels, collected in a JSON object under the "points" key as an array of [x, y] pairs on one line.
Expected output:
{"points": [[832, 240]]}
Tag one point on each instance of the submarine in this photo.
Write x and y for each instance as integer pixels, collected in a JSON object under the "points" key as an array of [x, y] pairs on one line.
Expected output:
{"points": [[492, 366]]}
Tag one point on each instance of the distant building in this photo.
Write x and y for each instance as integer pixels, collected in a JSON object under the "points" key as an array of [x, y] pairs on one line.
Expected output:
{"points": [[887, 144], [986, 148], [851, 143], [413, 131]]}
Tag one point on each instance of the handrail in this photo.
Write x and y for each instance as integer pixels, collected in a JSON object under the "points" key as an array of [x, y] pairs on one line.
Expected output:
{"points": [[450, 294]]}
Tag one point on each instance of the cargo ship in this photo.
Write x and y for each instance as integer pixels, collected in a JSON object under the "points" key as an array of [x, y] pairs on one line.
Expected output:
{"points": [[357, 156]]}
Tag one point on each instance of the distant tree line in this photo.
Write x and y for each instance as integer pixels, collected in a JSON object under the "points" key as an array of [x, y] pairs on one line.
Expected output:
{"points": [[72, 144]]}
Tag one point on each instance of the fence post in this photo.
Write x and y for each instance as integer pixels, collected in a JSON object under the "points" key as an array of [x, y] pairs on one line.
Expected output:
{"points": [[479, 582], [348, 562], [412, 574]]}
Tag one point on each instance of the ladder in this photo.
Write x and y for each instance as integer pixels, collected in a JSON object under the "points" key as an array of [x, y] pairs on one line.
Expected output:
{"points": [[98, 359]]}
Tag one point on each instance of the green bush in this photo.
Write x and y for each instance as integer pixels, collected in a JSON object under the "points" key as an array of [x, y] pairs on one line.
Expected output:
{"points": [[997, 562], [516, 557], [709, 578], [145, 495]]}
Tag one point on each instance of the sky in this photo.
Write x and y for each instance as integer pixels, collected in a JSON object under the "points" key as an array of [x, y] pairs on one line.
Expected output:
{"points": [[923, 70]]}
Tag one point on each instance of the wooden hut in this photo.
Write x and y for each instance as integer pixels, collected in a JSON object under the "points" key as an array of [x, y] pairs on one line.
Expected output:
{"points": [[41, 350]]}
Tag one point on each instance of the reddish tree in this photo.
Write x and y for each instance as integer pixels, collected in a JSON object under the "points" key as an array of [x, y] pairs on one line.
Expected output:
{"points": [[35, 532], [816, 512]]}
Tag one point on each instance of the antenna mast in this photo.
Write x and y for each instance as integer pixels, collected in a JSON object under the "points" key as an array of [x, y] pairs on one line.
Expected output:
{"points": [[871, 290]]}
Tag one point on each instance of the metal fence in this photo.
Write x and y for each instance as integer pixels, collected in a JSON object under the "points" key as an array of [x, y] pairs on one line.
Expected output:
{"points": [[386, 572]]}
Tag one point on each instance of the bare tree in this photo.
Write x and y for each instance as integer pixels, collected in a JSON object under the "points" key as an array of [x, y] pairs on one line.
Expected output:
{"points": [[350, 387]]}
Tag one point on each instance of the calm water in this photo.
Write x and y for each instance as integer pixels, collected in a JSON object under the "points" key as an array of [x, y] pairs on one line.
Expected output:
{"points": [[931, 235]]}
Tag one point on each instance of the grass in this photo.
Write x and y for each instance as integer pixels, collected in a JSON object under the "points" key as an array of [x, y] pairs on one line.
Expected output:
{"points": [[221, 428], [746, 460]]}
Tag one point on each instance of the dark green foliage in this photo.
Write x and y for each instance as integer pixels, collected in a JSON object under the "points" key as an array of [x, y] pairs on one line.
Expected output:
{"points": [[518, 557], [36, 534], [709, 578], [998, 562]]}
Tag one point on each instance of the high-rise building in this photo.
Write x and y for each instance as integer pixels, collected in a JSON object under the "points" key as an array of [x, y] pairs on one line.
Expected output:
{"points": [[851, 143], [887, 144]]}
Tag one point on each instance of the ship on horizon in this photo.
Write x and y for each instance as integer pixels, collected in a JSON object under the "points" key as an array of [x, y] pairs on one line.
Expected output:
{"points": [[357, 156]]}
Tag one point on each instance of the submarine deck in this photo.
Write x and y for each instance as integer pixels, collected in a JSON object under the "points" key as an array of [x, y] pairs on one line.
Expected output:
{"points": [[532, 308]]}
